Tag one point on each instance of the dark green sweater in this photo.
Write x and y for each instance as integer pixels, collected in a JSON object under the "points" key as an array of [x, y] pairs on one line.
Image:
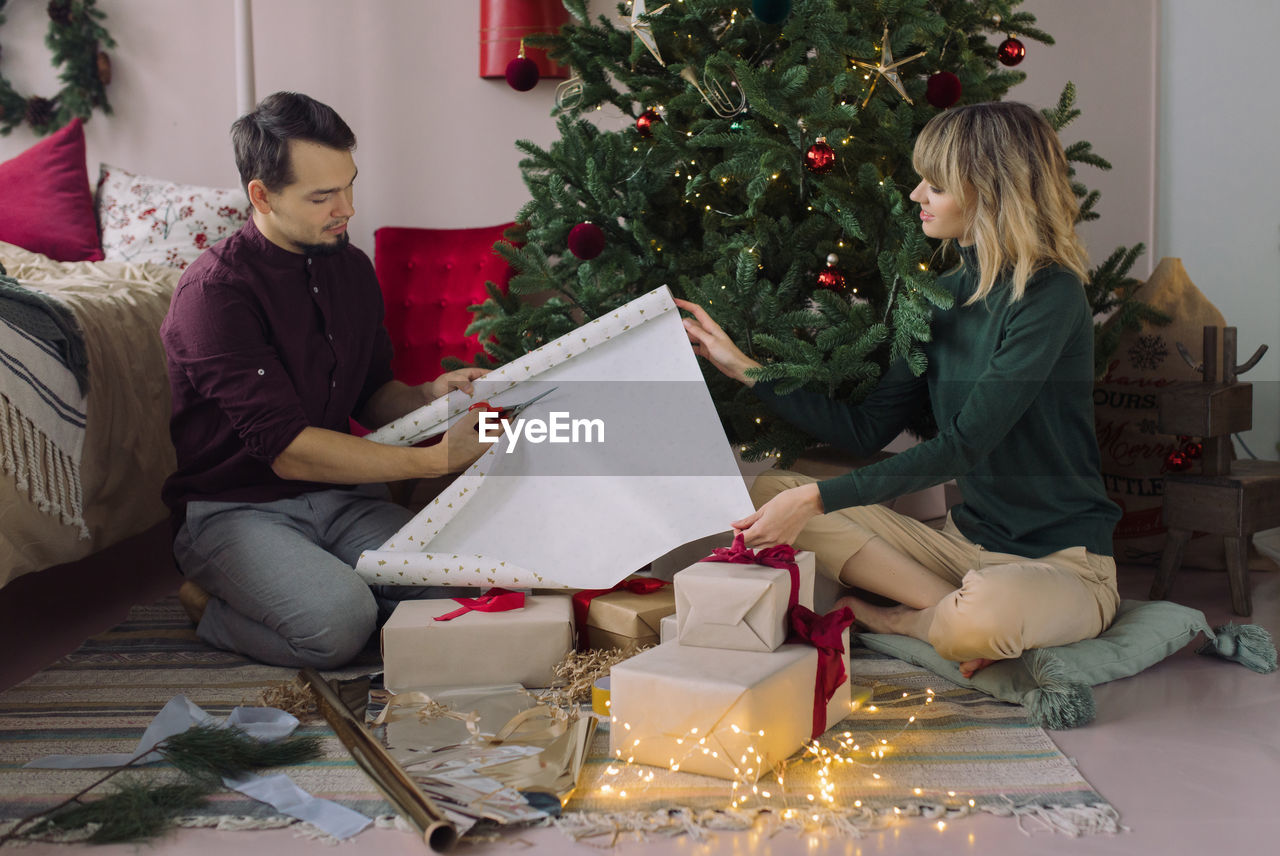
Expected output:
{"points": [[1011, 387]]}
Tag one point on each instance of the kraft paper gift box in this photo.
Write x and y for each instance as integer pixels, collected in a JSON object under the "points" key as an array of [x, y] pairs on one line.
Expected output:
{"points": [[624, 617], [738, 606], [659, 697], [477, 648]]}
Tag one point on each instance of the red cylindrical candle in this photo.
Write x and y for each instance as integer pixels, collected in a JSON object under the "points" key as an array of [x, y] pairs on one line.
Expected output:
{"points": [[503, 23]]}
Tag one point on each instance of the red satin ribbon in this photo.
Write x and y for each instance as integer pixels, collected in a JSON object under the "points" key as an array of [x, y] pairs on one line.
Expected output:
{"points": [[494, 600], [780, 556], [826, 633], [582, 600]]}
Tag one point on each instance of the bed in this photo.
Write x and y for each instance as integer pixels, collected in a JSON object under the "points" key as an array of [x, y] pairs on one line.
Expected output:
{"points": [[84, 439], [83, 471]]}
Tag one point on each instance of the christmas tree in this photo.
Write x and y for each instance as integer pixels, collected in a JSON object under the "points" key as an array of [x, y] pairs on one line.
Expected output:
{"points": [[765, 175]]}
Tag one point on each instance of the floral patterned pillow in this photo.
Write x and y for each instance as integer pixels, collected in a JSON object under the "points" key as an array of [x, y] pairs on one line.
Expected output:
{"points": [[151, 220]]}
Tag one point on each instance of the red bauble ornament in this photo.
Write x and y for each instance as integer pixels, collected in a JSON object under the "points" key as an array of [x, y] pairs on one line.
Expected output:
{"points": [[644, 124], [1011, 51], [943, 89], [821, 157], [522, 72], [830, 278], [1176, 462], [586, 241], [1193, 451]]}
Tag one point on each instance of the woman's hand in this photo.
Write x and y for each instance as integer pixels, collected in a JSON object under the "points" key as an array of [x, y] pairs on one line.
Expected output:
{"points": [[780, 520], [456, 379], [711, 342]]}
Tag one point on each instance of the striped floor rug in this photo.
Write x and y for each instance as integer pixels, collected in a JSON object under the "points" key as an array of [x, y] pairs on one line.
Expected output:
{"points": [[101, 697], [920, 747], [957, 753]]}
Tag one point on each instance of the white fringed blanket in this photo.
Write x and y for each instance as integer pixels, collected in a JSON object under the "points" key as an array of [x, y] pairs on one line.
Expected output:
{"points": [[83, 472]]}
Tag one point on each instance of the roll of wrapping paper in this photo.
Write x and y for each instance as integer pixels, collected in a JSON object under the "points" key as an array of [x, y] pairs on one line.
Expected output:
{"points": [[411, 803]]}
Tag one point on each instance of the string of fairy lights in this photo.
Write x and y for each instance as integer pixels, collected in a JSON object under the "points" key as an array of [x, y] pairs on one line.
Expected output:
{"points": [[820, 762]]}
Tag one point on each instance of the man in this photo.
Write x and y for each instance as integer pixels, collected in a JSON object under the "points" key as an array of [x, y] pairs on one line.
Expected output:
{"points": [[274, 339]]}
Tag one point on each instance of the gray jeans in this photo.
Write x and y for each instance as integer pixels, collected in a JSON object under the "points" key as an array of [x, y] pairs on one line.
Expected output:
{"points": [[281, 577]]}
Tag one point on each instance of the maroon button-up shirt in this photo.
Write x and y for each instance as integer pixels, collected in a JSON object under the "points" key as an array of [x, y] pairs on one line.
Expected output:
{"points": [[262, 343]]}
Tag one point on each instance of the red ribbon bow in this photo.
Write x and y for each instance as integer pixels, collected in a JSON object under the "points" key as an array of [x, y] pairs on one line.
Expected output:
{"points": [[494, 600], [826, 633], [780, 556], [582, 600]]}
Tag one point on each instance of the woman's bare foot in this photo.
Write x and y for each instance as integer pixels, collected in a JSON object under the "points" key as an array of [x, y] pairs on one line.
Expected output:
{"points": [[902, 620], [969, 668]]}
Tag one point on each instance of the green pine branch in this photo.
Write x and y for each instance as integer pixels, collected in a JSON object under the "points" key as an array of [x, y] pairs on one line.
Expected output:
{"points": [[137, 810]]}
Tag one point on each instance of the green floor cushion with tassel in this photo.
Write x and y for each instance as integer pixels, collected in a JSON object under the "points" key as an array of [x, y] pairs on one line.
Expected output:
{"points": [[1054, 684]]}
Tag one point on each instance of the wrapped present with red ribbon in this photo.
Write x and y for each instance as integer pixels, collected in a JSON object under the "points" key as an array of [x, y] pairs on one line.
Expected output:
{"points": [[625, 616], [742, 599], [732, 714], [501, 637]]}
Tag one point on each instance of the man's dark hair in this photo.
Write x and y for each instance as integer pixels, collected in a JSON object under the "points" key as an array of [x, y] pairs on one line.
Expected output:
{"points": [[261, 138]]}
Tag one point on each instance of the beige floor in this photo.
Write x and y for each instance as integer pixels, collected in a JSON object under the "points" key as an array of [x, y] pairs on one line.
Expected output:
{"points": [[1188, 751]]}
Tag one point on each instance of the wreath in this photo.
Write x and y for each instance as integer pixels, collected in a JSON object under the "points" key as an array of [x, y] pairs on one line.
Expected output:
{"points": [[77, 38]]}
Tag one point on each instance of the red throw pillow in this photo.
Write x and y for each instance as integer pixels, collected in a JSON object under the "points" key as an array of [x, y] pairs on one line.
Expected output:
{"points": [[48, 207]]}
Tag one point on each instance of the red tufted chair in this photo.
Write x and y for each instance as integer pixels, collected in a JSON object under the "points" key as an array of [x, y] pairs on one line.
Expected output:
{"points": [[429, 277]]}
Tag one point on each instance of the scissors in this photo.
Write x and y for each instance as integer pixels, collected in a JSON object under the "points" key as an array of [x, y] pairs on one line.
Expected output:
{"points": [[503, 413], [513, 410]]}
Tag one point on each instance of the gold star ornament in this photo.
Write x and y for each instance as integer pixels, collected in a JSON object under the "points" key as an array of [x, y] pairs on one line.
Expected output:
{"points": [[887, 68], [643, 30]]}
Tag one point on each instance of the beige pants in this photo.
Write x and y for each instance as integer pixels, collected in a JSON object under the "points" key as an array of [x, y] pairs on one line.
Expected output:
{"points": [[1003, 604]]}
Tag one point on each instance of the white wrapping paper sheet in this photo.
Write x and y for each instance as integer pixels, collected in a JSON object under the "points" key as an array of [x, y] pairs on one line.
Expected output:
{"points": [[583, 514]]}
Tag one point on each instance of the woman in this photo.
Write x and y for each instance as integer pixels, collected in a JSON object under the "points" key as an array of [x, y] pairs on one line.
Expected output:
{"points": [[1025, 561]]}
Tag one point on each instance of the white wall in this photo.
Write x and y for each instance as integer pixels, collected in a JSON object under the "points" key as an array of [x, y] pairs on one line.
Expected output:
{"points": [[1108, 49], [437, 142], [1219, 177]]}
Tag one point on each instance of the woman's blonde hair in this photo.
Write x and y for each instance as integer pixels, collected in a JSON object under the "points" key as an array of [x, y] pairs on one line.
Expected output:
{"points": [[1004, 164]]}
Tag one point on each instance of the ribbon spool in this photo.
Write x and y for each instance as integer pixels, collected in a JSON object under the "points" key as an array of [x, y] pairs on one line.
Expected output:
{"points": [[600, 698]]}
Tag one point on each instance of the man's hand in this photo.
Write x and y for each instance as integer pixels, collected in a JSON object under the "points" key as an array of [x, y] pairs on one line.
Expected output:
{"points": [[456, 379], [781, 519], [460, 446]]}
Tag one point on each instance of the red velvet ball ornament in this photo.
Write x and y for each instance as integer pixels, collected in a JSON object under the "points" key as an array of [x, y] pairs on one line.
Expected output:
{"points": [[830, 278], [586, 241], [644, 124], [821, 157], [522, 73], [1176, 462], [1011, 51], [942, 90]]}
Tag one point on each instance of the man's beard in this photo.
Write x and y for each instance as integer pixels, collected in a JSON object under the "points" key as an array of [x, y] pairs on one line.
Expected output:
{"points": [[327, 249]]}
